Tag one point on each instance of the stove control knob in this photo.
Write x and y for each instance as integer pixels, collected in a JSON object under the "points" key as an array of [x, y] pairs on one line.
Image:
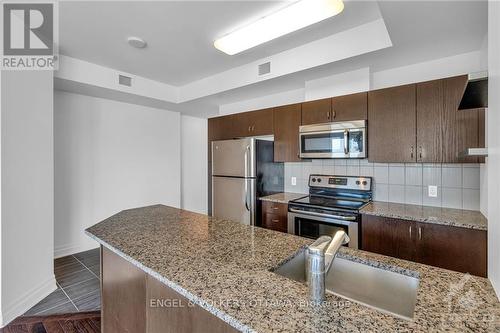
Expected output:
{"points": [[358, 182], [319, 180], [364, 182], [314, 180]]}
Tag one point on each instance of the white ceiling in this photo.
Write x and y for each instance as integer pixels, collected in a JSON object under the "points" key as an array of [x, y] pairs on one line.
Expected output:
{"points": [[180, 36]]}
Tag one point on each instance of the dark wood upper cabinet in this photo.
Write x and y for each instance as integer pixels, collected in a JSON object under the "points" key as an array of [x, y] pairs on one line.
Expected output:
{"points": [[287, 120], [392, 124], [221, 128], [255, 123], [406, 124], [430, 108], [443, 131], [350, 107], [460, 128], [317, 112]]}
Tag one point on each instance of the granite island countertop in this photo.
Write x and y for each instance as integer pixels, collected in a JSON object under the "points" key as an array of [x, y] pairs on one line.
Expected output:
{"points": [[283, 197], [226, 268], [426, 214]]}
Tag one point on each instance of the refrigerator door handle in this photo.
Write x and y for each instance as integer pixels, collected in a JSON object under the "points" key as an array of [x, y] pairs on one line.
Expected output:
{"points": [[246, 195], [247, 151]]}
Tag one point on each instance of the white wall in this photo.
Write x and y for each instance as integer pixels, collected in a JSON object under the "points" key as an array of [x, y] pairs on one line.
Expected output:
{"points": [[494, 144], [27, 201], [464, 63], [365, 79], [110, 156], [338, 85], [194, 141]]}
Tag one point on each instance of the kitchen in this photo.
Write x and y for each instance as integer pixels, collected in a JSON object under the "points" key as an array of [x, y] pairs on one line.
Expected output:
{"points": [[338, 176]]}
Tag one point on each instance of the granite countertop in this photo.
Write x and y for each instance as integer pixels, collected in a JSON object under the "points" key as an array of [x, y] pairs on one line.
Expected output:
{"points": [[436, 215], [283, 197], [226, 268]]}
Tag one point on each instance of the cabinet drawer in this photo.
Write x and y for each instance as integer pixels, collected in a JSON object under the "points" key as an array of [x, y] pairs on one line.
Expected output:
{"points": [[274, 208], [275, 222]]}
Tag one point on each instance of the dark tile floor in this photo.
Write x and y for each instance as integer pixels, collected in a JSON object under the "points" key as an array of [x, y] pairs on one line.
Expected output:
{"points": [[78, 285]]}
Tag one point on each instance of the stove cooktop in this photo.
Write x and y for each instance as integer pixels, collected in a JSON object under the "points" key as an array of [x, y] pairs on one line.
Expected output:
{"points": [[330, 202]]}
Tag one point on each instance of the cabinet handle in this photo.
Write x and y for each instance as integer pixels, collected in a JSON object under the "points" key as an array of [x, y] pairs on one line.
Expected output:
{"points": [[275, 220], [275, 207], [420, 153], [412, 151], [328, 115], [253, 128], [410, 231], [334, 114], [249, 128], [419, 233]]}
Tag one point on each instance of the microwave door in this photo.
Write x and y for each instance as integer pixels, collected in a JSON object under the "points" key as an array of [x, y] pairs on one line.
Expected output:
{"points": [[356, 143], [323, 144]]}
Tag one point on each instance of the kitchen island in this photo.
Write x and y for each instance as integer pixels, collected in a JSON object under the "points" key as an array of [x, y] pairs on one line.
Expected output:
{"points": [[226, 270]]}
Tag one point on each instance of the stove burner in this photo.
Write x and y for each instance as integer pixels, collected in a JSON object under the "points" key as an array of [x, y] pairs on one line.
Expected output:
{"points": [[331, 202]]}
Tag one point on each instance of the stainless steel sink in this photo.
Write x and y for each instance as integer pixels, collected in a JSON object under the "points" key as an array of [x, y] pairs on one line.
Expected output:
{"points": [[386, 291]]}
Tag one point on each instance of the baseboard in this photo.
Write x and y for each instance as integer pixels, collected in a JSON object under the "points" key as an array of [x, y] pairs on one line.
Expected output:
{"points": [[27, 301], [66, 250]]}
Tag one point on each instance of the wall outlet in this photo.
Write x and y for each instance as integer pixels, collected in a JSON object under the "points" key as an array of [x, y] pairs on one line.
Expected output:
{"points": [[433, 191], [294, 181]]}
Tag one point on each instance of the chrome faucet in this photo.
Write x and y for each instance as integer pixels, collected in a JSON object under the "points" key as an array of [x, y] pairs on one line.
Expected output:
{"points": [[320, 255]]}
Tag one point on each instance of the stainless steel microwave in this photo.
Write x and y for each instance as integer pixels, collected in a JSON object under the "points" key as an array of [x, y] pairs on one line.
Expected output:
{"points": [[333, 140]]}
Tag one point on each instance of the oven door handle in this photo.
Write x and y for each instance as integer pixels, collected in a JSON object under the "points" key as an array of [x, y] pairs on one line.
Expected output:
{"points": [[346, 142], [338, 217]]}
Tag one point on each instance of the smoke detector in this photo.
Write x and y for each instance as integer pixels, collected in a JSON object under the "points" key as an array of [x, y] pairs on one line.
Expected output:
{"points": [[137, 42]]}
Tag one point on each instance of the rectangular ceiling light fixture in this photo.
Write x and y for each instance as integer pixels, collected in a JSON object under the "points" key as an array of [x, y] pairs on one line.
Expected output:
{"points": [[296, 16]]}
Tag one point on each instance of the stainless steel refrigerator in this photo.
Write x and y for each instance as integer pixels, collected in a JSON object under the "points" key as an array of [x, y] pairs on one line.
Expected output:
{"points": [[242, 171]]}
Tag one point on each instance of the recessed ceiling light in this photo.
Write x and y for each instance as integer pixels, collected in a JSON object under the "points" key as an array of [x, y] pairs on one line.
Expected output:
{"points": [[291, 18], [137, 42]]}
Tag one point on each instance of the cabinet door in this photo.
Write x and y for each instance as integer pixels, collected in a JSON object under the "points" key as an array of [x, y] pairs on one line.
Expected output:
{"points": [[454, 248], [286, 133], [390, 237], [257, 122], [430, 109], [392, 124], [460, 128], [317, 112], [350, 107], [222, 128], [405, 233], [377, 235]]}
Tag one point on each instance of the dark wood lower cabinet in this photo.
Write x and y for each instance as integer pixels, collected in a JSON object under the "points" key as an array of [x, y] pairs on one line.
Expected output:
{"points": [[459, 249], [275, 216], [133, 301]]}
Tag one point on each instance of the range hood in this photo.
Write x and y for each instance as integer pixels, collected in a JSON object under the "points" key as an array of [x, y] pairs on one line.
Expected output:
{"points": [[478, 152], [476, 92]]}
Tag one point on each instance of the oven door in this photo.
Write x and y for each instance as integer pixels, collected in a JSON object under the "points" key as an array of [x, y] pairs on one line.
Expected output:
{"points": [[346, 143], [313, 225]]}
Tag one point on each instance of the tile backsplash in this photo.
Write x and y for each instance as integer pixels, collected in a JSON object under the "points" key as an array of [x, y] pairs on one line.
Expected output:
{"points": [[457, 184]]}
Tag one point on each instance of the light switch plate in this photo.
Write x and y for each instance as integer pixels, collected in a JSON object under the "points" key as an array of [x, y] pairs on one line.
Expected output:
{"points": [[433, 191], [294, 181]]}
